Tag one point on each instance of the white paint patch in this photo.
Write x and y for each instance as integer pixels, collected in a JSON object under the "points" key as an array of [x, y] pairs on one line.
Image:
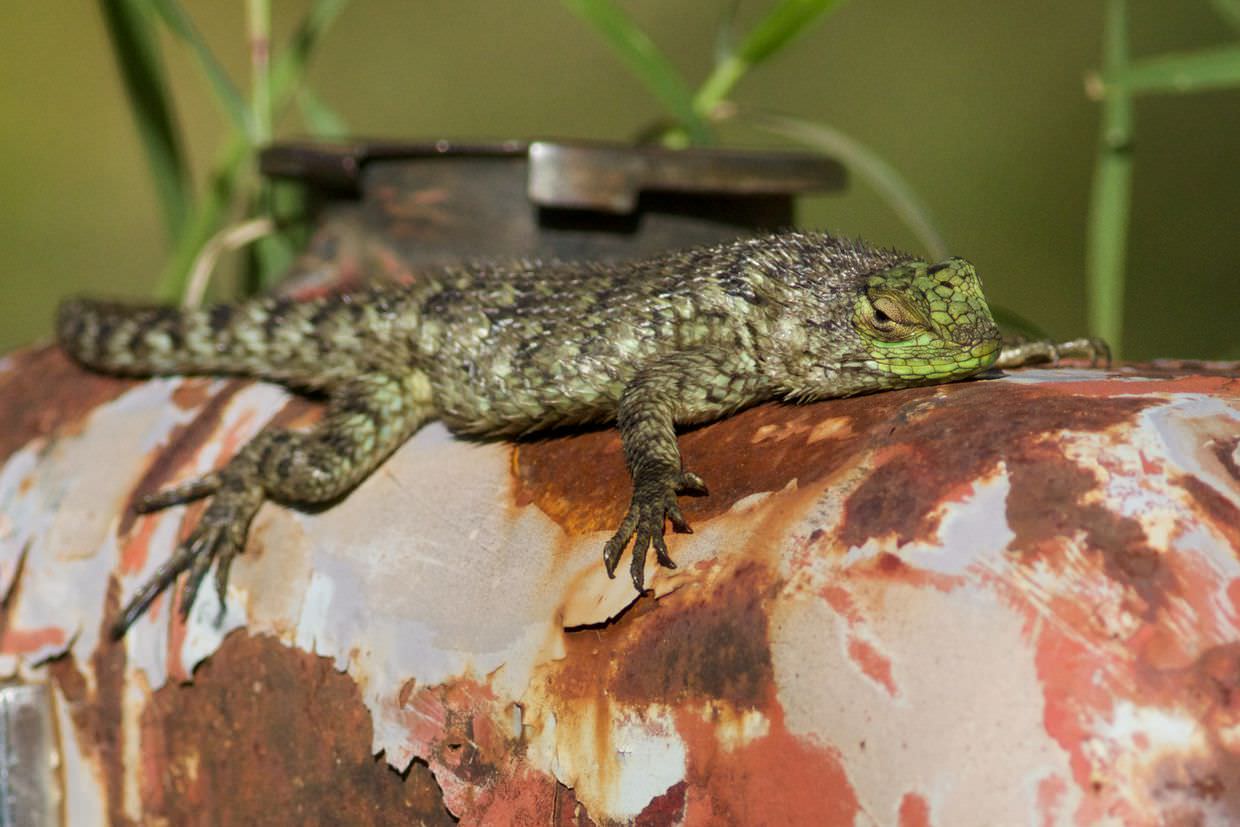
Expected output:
{"points": [[649, 761], [970, 723]]}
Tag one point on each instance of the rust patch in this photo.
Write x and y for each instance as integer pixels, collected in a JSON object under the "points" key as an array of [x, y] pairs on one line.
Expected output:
{"points": [[580, 481], [1046, 504], [1221, 512], [269, 734], [688, 645], [1209, 689], [774, 779], [963, 434], [1226, 450], [96, 714], [664, 810], [45, 392]]}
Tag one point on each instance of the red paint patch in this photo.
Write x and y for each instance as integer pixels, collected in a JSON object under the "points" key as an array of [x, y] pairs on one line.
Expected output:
{"points": [[875, 665], [776, 779], [1115, 386], [44, 392], [1051, 793], [25, 641], [914, 811], [957, 437]]}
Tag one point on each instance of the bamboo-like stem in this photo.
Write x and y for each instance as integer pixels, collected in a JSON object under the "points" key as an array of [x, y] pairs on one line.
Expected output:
{"points": [[1110, 205]]}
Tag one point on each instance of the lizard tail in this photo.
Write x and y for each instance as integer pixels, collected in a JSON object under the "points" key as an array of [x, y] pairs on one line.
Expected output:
{"points": [[258, 337]]}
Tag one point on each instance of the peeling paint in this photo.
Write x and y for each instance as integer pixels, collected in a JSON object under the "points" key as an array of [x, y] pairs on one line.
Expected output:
{"points": [[993, 602]]}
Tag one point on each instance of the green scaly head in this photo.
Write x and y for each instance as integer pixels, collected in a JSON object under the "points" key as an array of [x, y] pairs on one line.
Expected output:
{"points": [[924, 324]]}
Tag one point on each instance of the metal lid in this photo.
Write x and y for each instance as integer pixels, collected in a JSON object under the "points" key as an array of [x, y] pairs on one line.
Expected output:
{"points": [[575, 174]]}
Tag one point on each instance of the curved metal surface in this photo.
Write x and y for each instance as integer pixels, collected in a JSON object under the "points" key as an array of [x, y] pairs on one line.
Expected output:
{"points": [[994, 602]]}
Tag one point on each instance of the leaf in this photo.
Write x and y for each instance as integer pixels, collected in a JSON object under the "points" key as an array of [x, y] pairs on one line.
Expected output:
{"points": [[780, 27], [786, 21], [290, 64], [1229, 10], [321, 119], [863, 161], [1217, 68], [226, 94], [644, 59], [135, 45]]}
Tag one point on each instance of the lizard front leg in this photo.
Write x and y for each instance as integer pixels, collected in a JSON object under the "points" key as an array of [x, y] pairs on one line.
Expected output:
{"points": [[1016, 354], [368, 417], [680, 388]]}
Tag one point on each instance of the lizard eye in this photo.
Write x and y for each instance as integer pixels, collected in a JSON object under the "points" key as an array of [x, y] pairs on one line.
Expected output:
{"points": [[881, 317]]}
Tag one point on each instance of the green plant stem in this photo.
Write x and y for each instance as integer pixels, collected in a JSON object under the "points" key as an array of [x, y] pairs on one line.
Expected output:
{"points": [[787, 21], [644, 59], [881, 176], [258, 16], [1217, 68], [207, 218], [1110, 204], [135, 46], [235, 162], [226, 95]]}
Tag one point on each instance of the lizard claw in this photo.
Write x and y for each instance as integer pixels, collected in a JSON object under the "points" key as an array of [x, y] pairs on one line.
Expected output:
{"points": [[219, 536], [652, 504]]}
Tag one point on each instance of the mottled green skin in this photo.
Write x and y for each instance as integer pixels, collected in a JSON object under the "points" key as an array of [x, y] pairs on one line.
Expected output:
{"points": [[504, 348]]}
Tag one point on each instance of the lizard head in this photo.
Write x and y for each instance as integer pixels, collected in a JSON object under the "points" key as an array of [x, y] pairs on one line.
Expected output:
{"points": [[923, 324], [903, 323]]}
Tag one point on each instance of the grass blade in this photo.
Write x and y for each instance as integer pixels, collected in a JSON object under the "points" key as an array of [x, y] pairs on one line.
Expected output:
{"points": [[1229, 10], [320, 119], [135, 46], [881, 176], [645, 60], [1110, 201], [234, 162], [1217, 68], [226, 94], [289, 66], [207, 218], [783, 24]]}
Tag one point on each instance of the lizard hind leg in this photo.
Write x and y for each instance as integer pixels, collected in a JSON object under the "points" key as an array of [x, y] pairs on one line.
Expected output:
{"points": [[368, 417]]}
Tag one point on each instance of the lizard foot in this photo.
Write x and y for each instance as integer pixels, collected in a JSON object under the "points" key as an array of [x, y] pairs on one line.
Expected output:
{"points": [[219, 536], [653, 502], [1022, 353]]}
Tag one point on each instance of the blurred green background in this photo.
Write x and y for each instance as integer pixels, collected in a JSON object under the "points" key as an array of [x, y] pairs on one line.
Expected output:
{"points": [[979, 104]]}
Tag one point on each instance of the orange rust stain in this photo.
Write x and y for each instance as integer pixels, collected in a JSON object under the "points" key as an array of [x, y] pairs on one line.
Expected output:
{"points": [[875, 665], [842, 601], [775, 779], [23, 641], [191, 393], [914, 811], [580, 480], [137, 547]]}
